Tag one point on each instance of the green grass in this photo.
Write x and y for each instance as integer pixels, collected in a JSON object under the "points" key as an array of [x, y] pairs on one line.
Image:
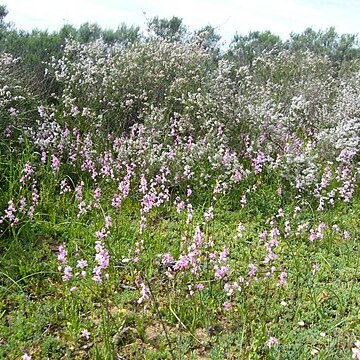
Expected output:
{"points": [[312, 313], [315, 315]]}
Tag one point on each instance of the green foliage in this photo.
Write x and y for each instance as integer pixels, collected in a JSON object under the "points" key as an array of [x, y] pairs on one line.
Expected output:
{"points": [[88, 32], [170, 30], [246, 48], [123, 35], [208, 37], [3, 13], [328, 42], [209, 40], [339, 48]]}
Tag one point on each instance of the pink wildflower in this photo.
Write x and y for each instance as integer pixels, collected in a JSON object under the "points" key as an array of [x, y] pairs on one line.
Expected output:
{"points": [[221, 272], [27, 171], [55, 163], [85, 334], [144, 293], [243, 200], [81, 264], [240, 230], [108, 222], [190, 213], [253, 270], [8, 132], [67, 273], [188, 191], [198, 237], [315, 268], [209, 215], [13, 111], [282, 278], [180, 206], [64, 187], [62, 254], [200, 286], [272, 341], [102, 258], [43, 157]]}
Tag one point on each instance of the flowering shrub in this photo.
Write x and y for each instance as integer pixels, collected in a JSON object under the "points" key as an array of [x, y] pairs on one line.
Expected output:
{"points": [[286, 111], [117, 87], [16, 101]]}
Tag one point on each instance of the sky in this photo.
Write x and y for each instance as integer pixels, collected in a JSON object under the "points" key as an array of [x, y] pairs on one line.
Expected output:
{"points": [[281, 17]]}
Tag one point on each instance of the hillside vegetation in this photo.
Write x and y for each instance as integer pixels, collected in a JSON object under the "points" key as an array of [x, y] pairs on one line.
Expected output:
{"points": [[164, 198]]}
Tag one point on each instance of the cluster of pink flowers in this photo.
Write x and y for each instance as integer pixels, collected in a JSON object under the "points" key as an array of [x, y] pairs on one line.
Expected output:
{"points": [[10, 212], [318, 233], [27, 171], [64, 267], [272, 341], [197, 257], [55, 163], [102, 259]]}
